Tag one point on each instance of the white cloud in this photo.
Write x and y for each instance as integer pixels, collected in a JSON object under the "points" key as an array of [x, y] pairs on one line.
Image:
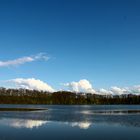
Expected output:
{"points": [[32, 84], [81, 86], [134, 90], [23, 60], [118, 91], [86, 87], [121, 91], [104, 92]]}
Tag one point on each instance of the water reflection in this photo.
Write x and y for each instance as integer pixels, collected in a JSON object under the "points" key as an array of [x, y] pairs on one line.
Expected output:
{"points": [[81, 125], [30, 124], [22, 123], [71, 122], [75, 116]]}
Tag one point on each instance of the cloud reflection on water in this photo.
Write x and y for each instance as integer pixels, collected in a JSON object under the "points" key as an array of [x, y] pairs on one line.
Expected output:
{"points": [[81, 125], [30, 124], [22, 123], [82, 117]]}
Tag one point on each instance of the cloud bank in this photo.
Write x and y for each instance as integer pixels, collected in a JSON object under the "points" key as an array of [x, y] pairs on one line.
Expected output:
{"points": [[32, 84], [85, 86], [23, 60], [82, 86]]}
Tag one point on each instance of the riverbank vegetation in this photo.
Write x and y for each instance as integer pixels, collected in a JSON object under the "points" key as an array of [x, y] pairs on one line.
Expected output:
{"points": [[24, 96]]}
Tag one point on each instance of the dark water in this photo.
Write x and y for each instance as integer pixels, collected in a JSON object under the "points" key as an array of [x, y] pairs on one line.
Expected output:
{"points": [[71, 123]]}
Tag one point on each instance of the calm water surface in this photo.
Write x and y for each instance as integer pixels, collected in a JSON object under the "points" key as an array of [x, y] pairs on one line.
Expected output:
{"points": [[71, 122]]}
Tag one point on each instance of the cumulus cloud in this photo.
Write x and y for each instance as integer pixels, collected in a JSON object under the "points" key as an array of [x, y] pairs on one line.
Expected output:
{"points": [[104, 92], [119, 91], [86, 87], [135, 89], [32, 84], [81, 86], [23, 60]]}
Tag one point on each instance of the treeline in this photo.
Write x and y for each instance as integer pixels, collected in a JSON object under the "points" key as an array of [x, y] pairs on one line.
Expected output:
{"points": [[24, 96]]}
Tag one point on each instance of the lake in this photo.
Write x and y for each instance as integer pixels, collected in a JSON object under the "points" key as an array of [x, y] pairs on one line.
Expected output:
{"points": [[84, 122]]}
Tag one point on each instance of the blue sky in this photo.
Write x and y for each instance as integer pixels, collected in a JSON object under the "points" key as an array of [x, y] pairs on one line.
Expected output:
{"points": [[96, 40]]}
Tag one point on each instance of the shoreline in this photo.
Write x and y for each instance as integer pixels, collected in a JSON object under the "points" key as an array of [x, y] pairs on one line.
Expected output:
{"points": [[22, 109]]}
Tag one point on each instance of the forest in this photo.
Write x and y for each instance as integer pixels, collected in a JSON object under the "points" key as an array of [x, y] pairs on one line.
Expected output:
{"points": [[25, 96]]}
